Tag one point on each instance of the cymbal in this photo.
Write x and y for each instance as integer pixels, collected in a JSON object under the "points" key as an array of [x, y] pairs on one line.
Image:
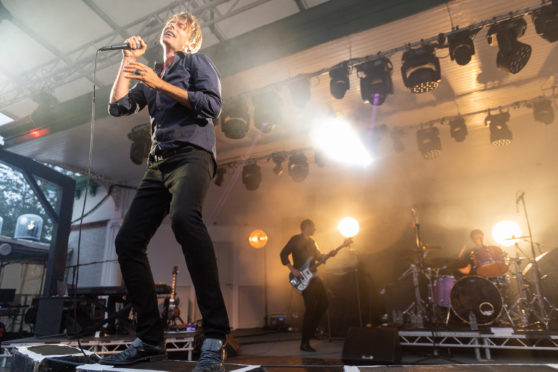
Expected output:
{"points": [[517, 237]]}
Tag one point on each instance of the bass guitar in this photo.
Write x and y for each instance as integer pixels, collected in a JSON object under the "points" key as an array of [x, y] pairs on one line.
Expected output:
{"points": [[308, 271]]}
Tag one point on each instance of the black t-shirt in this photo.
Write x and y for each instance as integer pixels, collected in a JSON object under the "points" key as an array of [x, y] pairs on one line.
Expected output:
{"points": [[301, 249]]}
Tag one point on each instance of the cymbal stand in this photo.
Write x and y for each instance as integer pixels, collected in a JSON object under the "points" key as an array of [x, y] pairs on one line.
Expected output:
{"points": [[420, 308], [521, 305], [540, 312]]}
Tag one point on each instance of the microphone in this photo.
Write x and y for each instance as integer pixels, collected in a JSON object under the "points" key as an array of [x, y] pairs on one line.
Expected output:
{"points": [[120, 46]]}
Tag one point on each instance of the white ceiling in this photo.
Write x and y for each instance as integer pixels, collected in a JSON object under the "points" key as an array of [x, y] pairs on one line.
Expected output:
{"points": [[476, 87]]}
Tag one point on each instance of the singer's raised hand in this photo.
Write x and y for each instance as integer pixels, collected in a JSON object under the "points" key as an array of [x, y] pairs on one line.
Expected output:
{"points": [[135, 52], [140, 72]]}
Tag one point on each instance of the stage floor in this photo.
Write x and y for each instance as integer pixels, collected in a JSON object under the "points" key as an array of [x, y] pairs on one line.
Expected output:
{"points": [[262, 350]]}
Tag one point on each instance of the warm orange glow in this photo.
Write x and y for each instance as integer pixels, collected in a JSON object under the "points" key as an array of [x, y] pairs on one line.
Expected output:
{"points": [[258, 239], [348, 227]]}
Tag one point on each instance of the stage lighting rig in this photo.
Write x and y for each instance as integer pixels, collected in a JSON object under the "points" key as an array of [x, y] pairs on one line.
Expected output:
{"points": [[543, 111], [461, 46], [251, 176], [141, 143], [428, 141], [339, 83], [421, 69], [500, 133], [375, 80], [546, 21], [458, 129], [512, 54], [267, 113], [278, 158], [235, 120], [298, 167]]}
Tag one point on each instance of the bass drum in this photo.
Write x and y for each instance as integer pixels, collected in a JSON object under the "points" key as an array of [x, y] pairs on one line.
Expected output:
{"points": [[477, 295]]}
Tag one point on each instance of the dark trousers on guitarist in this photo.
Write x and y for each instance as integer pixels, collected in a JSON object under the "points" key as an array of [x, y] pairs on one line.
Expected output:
{"points": [[316, 303], [176, 186]]}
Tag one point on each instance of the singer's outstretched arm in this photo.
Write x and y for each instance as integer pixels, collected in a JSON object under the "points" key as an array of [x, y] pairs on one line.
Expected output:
{"points": [[121, 83]]}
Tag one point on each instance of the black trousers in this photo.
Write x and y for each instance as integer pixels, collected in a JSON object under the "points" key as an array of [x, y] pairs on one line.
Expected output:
{"points": [[316, 303], [176, 186]]}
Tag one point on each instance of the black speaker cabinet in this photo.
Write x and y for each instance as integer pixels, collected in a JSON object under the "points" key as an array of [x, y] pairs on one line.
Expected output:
{"points": [[366, 346], [49, 316]]}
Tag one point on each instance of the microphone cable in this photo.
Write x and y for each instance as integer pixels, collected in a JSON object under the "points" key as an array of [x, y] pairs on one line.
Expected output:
{"points": [[75, 274]]}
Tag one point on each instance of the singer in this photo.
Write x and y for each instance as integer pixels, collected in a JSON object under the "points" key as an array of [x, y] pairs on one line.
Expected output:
{"points": [[183, 96]]}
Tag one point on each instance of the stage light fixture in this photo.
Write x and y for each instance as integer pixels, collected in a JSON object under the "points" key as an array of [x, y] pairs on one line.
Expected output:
{"points": [[512, 54], [339, 83], [278, 158], [375, 80], [300, 92], [220, 176], [348, 227], [235, 120], [141, 143], [251, 176], [421, 69], [461, 46], [298, 167], [458, 129], [546, 21], [543, 111], [429, 144], [267, 113], [505, 232], [396, 135], [500, 134], [258, 239]]}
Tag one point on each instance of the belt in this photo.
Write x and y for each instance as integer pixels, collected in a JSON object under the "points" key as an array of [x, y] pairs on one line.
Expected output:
{"points": [[165, 154]]}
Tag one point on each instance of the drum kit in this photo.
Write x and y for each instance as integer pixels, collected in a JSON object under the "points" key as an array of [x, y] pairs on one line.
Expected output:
{"points": [[499, 291]]}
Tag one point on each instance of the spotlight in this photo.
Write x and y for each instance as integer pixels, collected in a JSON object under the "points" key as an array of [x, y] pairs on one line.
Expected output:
{"points": [[258, 239], [235, 119], [461, 47], [141, 143], [220, 176], [512, 55], [375, 80], [251, 176], [396, 136], [504, 233], [298, 167], [421, 69], [458, 129], [543, 111], [267, 112], [500, 134], [339, 83], [546, 21], [428, 140], [300, 92], [348, 227], [278, 158]]}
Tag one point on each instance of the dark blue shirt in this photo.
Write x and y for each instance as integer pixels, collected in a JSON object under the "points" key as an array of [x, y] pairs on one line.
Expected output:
{"points": [[172, 124]]}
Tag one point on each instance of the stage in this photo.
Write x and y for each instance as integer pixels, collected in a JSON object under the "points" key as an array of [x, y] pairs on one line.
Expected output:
{"points": [[264, 350]]}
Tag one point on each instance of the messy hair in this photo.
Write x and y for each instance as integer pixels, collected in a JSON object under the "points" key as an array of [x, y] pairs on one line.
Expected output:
{"points": [[306, 223], [192, 22]]}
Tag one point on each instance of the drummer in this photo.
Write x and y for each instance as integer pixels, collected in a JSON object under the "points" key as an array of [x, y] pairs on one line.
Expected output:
{"points": [[466, 256]]}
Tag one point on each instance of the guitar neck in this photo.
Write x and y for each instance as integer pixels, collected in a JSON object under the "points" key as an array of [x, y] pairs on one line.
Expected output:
{"points": [[328, 256]]}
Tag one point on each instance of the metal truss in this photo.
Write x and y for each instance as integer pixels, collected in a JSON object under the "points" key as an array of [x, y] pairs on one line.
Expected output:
{"points": [[79, 63], [480, 341]]}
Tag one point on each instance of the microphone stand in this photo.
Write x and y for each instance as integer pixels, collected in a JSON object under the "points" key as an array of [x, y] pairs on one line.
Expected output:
{"points": [[541, 314], [419, 321]]}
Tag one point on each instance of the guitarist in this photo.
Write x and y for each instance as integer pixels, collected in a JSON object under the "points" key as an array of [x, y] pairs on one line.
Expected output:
{"points": [[302, 247]]}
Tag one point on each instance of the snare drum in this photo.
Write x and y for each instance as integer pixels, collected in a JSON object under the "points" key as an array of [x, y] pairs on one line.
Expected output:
{"points": [[489, 261]]}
